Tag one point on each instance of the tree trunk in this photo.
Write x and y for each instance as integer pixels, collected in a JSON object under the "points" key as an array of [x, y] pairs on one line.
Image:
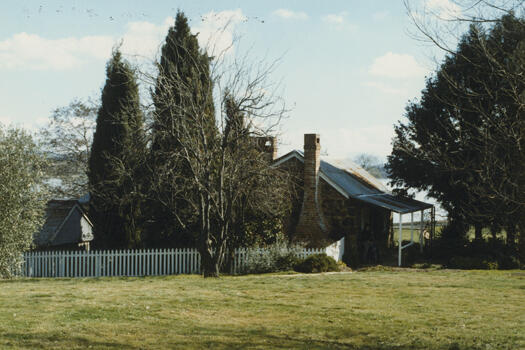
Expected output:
{"points": [[521, 241], [511, 235], [210, 264], [477, 232]]}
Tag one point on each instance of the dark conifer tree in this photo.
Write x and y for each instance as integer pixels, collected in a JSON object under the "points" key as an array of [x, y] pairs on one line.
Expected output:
{"points": [[183, 88], [463, 139], [115, 175]]}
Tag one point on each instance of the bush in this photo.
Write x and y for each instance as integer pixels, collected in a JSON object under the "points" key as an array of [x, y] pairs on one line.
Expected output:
{"points": [[287, 262], [276, 257], [317, 263], [508, 262], [469, 263], [411, 254]]}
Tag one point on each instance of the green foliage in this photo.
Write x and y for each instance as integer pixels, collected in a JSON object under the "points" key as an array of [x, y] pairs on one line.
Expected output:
{"points": [[183, 88], [476, 254], [508, 262], [22, 199], [115, 177], [464, 137], [471, 263], [317, 263], [276, 257], [288, 262]]}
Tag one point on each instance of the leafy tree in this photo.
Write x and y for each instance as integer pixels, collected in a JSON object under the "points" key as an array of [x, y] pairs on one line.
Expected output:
{"points": [[67, 141], [183, 82], [463, 140], [22, 199], [115, 171]]}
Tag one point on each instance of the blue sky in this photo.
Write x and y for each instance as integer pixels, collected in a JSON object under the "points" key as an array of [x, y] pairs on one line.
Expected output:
{"points": [[347, 68]]}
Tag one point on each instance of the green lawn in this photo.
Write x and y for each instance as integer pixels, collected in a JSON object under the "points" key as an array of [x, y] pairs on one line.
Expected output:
{"points": [[400, 309]]}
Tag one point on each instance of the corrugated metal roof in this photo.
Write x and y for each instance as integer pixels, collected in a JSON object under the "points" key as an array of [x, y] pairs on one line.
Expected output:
{"points": [[355, 182], [347, 166], [397, 204]]}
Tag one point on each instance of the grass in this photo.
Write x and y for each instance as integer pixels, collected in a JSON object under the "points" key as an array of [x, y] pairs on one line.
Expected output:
{"points": [[376, 309]]}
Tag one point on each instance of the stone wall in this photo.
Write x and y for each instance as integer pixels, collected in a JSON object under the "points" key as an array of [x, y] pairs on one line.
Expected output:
{"points": [[342, 217]]}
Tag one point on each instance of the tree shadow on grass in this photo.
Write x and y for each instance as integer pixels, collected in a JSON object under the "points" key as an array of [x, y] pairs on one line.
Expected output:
{"points": [[58, 341], [221, 338], [235, 338]]}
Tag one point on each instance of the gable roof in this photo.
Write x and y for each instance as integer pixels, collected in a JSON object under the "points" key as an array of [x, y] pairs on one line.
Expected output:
{"points": [[57, 214], [352, 181]]}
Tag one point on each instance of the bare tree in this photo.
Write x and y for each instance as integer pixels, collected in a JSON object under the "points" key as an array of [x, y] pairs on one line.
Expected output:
{"points": [[370, 163], [67, 141], [214, 172]]}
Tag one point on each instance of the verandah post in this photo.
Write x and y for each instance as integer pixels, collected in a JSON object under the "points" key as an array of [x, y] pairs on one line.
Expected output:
{"points": [[421, 238], [400, 239]]}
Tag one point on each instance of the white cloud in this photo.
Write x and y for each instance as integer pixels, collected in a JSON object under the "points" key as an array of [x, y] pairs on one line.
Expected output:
{"points": [[443, 8], [335, 18], [397, 66], [25, 51], [345, 142], [288, 14], [339, 21], [33, 52], [143, 39], [217, 30], [386, 88]]}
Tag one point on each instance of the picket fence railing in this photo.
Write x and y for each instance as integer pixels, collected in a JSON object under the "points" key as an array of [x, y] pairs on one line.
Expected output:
{"points": [[141, 262]]}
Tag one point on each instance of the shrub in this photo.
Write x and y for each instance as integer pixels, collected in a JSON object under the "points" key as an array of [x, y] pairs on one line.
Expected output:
{"points": [[287, 262], [469, 263], [508, 262], [273, 258], [411, 254], [317, 263]]}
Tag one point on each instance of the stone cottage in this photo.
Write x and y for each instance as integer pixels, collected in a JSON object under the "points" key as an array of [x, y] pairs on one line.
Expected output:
{"points": [[338, 199]]}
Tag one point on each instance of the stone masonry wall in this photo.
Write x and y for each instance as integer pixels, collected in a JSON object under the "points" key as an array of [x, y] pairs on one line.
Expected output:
{"points": [[311, 228]]}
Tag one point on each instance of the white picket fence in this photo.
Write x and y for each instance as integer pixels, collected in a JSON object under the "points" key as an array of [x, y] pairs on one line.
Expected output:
{"points": [[141, 262]]}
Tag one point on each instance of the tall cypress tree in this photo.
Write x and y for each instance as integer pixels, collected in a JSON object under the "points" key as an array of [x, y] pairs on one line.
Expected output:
{"points": [[114, 169], [183, 88], [183, 84]]}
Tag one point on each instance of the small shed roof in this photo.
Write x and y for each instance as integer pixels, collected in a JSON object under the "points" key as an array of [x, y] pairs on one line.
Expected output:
{"points": [[57, 213], [352, 181]]}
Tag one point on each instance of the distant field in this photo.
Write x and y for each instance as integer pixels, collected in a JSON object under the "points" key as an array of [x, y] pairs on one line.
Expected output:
{"points": [[406, 232], [399, 309]]}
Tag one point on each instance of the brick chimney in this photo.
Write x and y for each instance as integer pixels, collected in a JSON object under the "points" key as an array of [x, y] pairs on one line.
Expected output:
{"points": [[311, 228], [268, 145]]}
